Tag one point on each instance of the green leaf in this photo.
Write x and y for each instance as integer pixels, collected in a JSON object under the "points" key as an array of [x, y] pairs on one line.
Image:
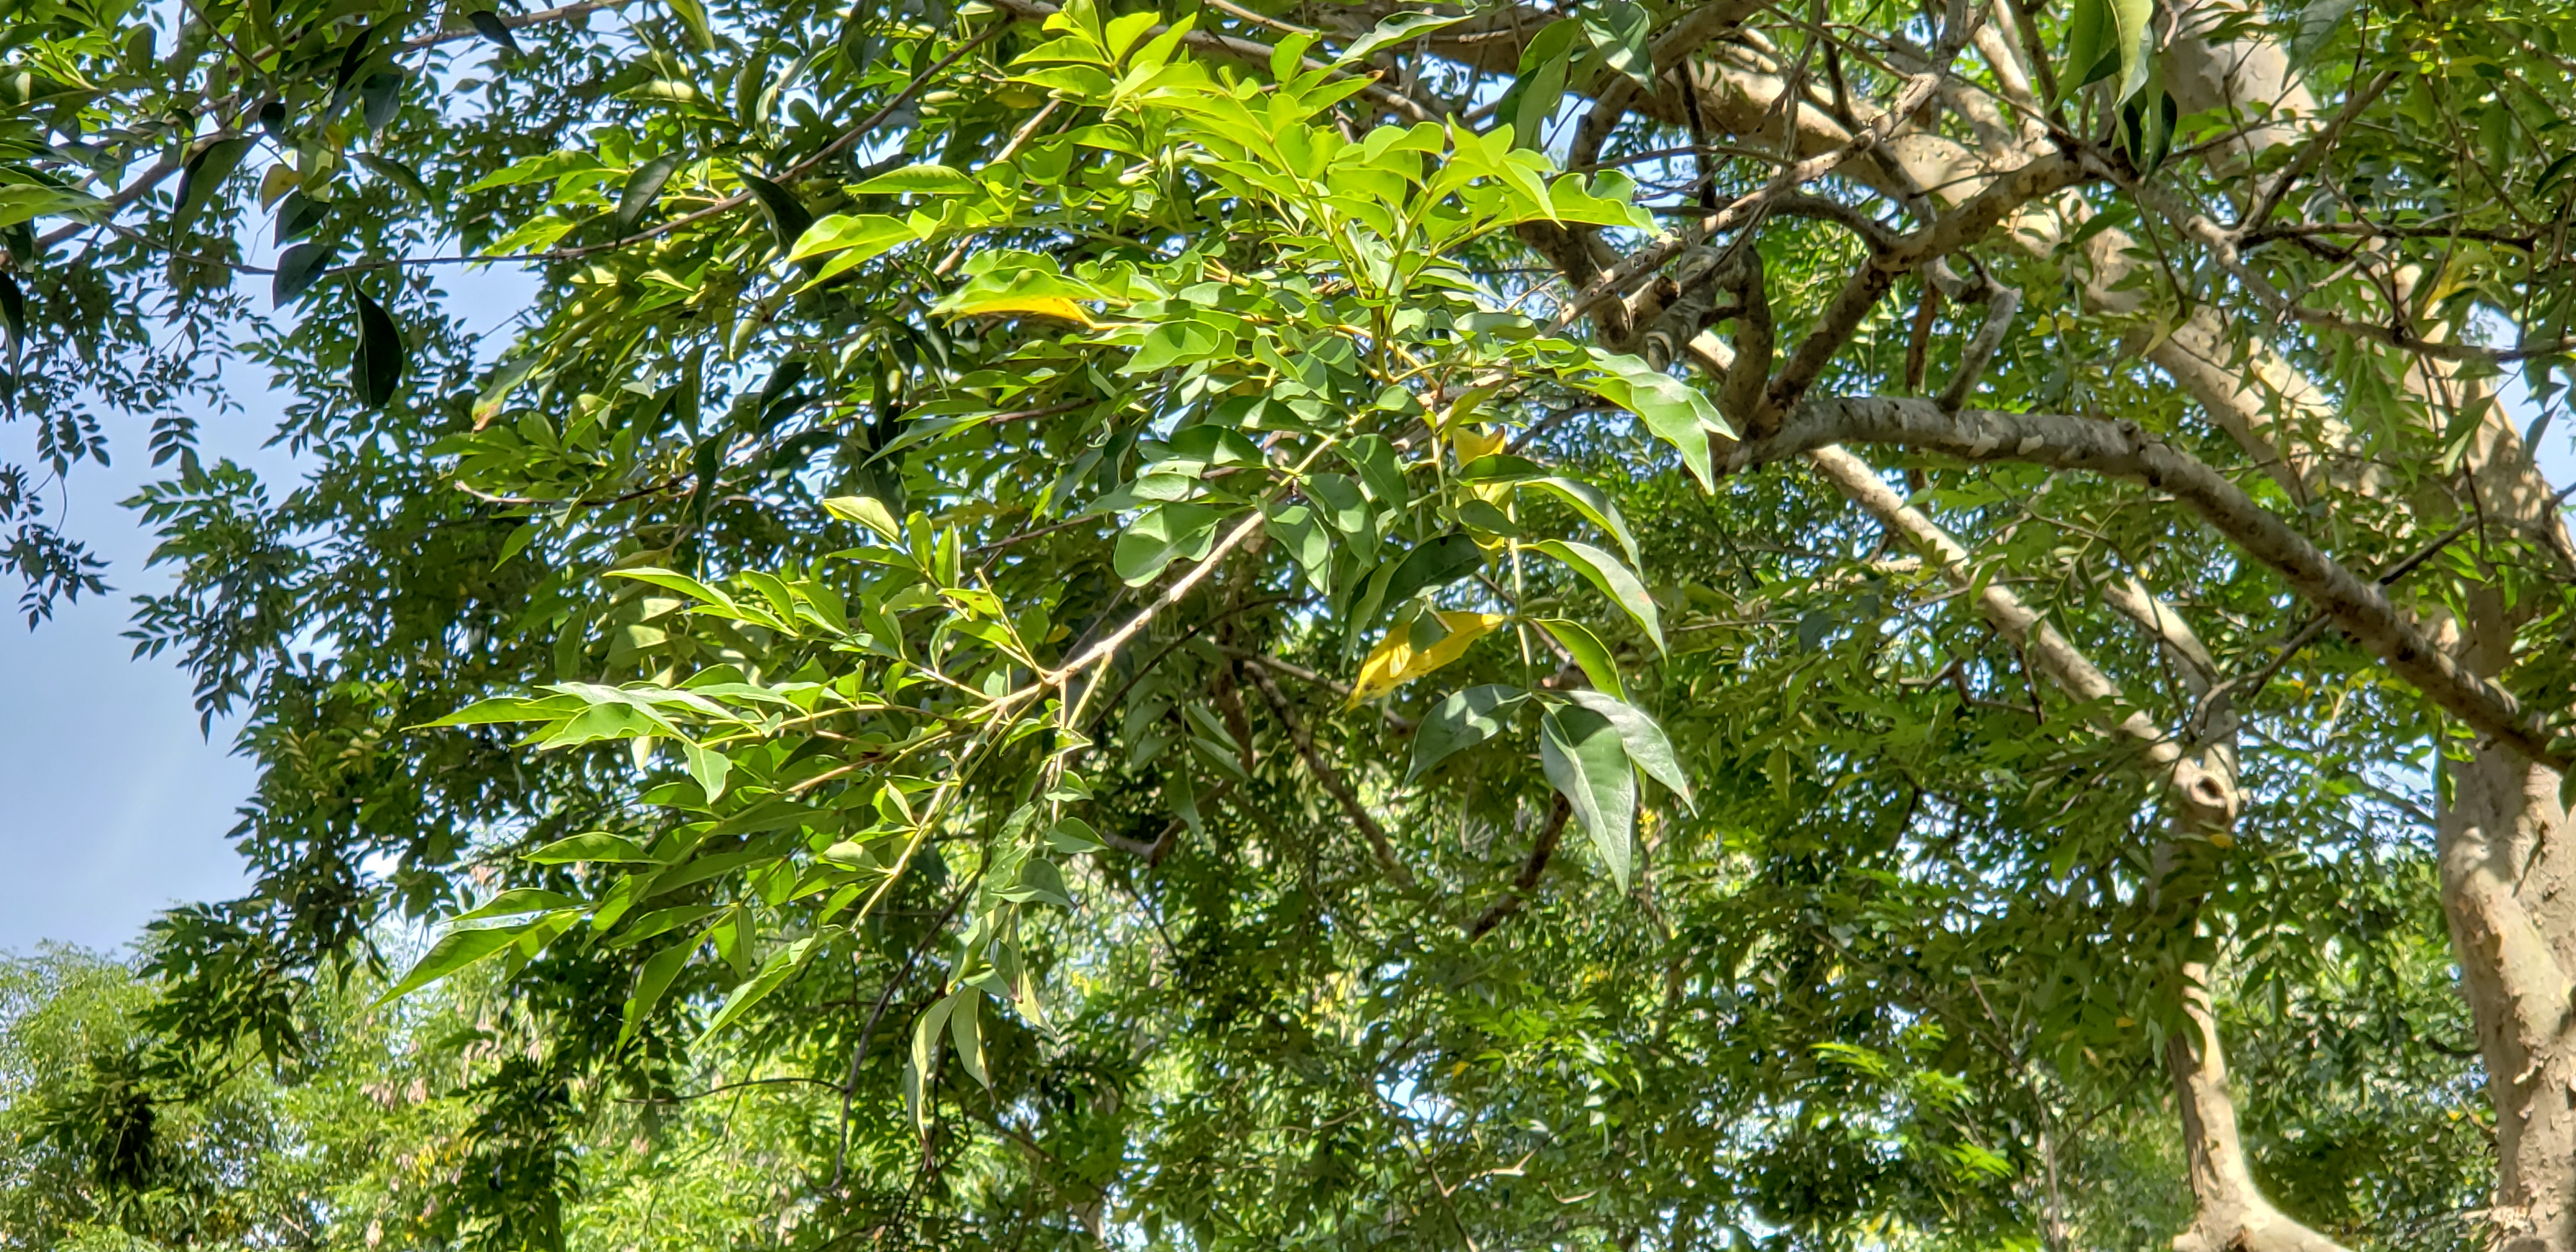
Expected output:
{"points": [[1590, 654], [512, 709], [924, 180], [966, 1034], [2107, 38], [519, 900], [199, 178], [377, 369], [1040, 881], [597, 847], [13, 319], [781, 966], [643, 187], [398, 174], [1074, 835], [457, 949], [297, 267], [1643, 739], [708, 766], [693, 14], [1673, 410], [1595, 506], [1621, 30], [1396, 29], [1586, 762], [1460, 721], [1614, 580], [927, 1031], [1433, 565], [652, 979], [1301, 535], [858, 239], [788, 217], [1166, 533], [489, 25]]}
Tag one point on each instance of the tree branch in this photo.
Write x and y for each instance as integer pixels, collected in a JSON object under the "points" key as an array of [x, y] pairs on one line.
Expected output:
{"points": [[2123, 450]]}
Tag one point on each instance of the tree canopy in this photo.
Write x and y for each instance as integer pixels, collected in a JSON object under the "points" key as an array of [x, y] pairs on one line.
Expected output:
{"points": [[1678, 624]]}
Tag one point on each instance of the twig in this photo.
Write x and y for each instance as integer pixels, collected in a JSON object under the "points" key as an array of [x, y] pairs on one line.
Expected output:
{"points": [[1332, 782], [1531, 869]]}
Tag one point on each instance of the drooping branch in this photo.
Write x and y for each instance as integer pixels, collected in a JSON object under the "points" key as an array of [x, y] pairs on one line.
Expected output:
{"points": [[2124, 450]]}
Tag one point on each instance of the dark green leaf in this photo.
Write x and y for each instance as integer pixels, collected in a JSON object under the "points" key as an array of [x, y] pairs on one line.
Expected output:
{"points": [[454, 951], [1585, 761], [643, 187], [1436, 564], [1615, 580], [1643, 739], [1166, 533], [199, 178], [1460, 721], [788, 217], [297, 267], [376, 372], [489, 25]]}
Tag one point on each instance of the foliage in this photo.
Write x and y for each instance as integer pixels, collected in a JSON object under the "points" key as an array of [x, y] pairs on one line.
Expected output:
{"points": [[1170, 625]]}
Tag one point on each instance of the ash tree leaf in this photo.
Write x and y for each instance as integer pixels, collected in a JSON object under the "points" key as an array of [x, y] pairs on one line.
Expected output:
{"points": [[966, 1034], [927, 1030], [1460, 721], [1586, 762], [13, 319], [1641, 737], [2104, 39], [709, 767], [1433, 565], [377, 370], [1620, 29], [1594, 505], [1675, 411], [1590, 654], [925, 179], [1613, 579], [519, 900], [596, 847], [1396, 29]]}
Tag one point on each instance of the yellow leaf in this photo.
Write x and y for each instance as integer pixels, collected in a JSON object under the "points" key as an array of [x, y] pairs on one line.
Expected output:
{"points": [[273, 185], [1378, 672], [1056, 307], [1394, 661], [1476, 441]]}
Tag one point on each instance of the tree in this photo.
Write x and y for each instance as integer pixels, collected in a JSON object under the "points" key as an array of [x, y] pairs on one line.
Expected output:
{"points": [[1200, 609]]}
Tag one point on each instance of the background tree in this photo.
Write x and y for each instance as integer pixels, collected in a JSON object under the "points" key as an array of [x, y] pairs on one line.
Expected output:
{"points": [[970, 515]]}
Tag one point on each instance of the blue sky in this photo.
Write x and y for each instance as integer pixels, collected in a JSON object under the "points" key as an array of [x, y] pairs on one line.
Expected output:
{"points": [[112, 805]]}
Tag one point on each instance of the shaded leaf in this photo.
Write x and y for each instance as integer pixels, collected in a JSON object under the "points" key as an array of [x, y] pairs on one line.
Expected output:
{"points": [[1460, 721], [1586, 762], [376, 371]]}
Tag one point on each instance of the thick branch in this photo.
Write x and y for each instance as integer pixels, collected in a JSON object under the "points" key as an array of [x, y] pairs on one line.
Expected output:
{"points": [[2123, 450]]}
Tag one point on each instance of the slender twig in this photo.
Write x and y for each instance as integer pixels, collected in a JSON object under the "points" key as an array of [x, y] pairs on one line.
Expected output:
{"points": [[1332, 782]]}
